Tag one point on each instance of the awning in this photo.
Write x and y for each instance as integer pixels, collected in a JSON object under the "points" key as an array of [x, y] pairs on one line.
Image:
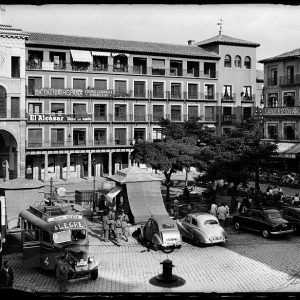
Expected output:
{"points": [[80, 111], [284, 148], [81, 56], [114, 192], [293, 151], [96, 53], [121, 54], [145, 199]]}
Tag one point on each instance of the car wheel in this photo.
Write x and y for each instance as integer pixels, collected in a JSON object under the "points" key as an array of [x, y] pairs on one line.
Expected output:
{"points": [[169, 250], [94, 274], [265, 233], [237, 225]]}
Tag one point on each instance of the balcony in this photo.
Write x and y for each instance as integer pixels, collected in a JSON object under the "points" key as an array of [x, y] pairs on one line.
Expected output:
{"points": [[272, 82], [226, 97], [160, 72], [209, 118], [248, 98], [32, 65], [229, 118], [120, 68], [100, 67], [139, 69], [289, 80]]}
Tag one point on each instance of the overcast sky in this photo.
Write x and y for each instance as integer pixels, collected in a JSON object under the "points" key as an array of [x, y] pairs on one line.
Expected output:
{"points": [[275, 27]]}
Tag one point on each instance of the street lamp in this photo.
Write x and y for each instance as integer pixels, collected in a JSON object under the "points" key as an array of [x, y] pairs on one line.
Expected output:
{"points": [[94, 162]]}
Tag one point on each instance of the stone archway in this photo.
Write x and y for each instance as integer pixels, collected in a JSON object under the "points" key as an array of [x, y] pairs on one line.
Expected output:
{"points": [[9, 152]]}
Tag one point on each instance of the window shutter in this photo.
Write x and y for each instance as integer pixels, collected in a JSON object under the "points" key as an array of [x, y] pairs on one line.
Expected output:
{"points": [[100, 84], [15, 107], [3, 102]]}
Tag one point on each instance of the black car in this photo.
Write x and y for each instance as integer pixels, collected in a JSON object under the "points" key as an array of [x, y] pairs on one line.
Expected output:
{"points": [[292, 214], [267, 221]]}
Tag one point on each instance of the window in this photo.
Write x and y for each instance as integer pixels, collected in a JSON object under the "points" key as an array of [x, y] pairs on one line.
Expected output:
{"points": [[209, 113], [247, 112], [100, 136], [139, 65], [139, 134], [156, 134], [194, 222], [59, 60], [273, 79], [227, 92], [34, 108], [289, 99], [100, 112], [210, 70], [237, 62], [289, 131], [272, 131], [120, 112], [175, 113], [158, 112], [57, 83], [272, 100], [100, 84], [227, 61], [139, 113], [79, 83], [175, 68], [227, 114], [35, 137], [120, 136], [158, 90], [192, 111], [290, 74], [57, 108], [158, 67], [192, 69], [79, 110], [120, 63], [247, 62], [15, 107], [34, 83], [247, 93], [3, 102], [176, 90], [79, 137], [192, 91], [227, 111], [209, 91], [15, 67], [100, 63], [140, 89], [57, 137], [120, 88]]}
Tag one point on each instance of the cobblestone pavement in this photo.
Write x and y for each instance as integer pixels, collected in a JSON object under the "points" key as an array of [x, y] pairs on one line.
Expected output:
{"points": [[248, 263]]}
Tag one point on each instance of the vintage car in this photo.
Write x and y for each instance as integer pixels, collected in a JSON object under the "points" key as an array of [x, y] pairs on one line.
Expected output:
{"points": [[202, 228], [80, 264], [161, 233], [267, 221], [292, 214]]}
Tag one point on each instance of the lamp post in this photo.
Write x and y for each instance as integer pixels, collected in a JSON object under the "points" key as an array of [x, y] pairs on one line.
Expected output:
{"points": [[94, 182]]}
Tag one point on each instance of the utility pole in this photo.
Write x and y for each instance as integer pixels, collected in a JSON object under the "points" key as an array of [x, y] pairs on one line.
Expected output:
{"points": [[94, 182]]}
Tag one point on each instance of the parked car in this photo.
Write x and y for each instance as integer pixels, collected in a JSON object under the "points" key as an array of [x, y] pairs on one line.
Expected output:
{"points": [[202, 228], [292, 214], [267, 221], [161, 233]]}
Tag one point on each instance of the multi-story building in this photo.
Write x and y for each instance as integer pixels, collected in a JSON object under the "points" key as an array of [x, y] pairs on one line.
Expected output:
{"points": [[281, 108], [88, 100]]}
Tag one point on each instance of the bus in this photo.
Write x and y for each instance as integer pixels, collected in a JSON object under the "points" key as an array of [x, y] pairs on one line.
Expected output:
{"points": [[48, 232]]}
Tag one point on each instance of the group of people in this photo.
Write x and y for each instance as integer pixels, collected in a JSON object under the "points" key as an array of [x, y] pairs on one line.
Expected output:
{"points": [[221, 212], [115, 225]]}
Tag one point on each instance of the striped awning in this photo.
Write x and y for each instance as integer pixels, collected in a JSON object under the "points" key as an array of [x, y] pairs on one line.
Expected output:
{"points": [[81, 56], [97, 53]]}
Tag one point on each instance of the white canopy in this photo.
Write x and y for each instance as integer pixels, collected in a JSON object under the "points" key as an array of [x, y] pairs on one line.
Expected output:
{"points": [[81, 56]]}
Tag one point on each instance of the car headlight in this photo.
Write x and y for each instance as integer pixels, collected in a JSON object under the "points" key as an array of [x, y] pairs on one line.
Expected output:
{"points": [[91, 259]]}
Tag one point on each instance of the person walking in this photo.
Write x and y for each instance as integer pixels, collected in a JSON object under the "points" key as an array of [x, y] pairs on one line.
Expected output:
{"points": [[7, 275], [106, 225], [62, 272], [118, 229], [124, 219], [221, 212], [213, 209], [111, 217]]}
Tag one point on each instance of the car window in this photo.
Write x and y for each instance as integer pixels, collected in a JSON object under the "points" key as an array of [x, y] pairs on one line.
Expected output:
{"points": [[194, 221], [210, 222], [274, 215]]}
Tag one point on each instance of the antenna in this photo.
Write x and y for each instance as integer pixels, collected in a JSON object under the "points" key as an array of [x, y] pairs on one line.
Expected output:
{"points": [[3, 16], [220, 24]]}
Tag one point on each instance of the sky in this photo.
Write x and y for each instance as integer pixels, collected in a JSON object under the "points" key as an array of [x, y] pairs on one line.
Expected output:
{"points": [[275, 27]]}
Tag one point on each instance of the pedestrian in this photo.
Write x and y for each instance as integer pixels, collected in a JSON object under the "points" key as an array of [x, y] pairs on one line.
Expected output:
{"points": [[111, 217], [106, 225], [227, 215], [213, 209], [118, 229], [62, 272], [222, 214], [296, 200], [125, 220], [7, 275]]}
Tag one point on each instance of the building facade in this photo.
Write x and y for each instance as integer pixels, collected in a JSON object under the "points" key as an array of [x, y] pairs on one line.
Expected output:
{"points": [[84, 102], [282, 101]]}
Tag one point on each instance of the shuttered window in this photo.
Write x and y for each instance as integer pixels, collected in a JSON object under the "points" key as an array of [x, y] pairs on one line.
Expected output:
{"points": [[192, 111], [100, 112], [100, 136], [15, 107], [175, 113], [120, 136], [57, 137], [176, 90], [35, 137], [34, 83], [139, 89], [209, 113], [192, 91], [100, 84], [57, 108], [120, 88], [79, 83], [158, 90], [139, 113], [3, 102], [120, 112], [57, 83], [158, 112]]}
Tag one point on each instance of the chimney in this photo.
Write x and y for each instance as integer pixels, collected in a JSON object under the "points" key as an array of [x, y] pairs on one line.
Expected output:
{"points": [[191, 42]]}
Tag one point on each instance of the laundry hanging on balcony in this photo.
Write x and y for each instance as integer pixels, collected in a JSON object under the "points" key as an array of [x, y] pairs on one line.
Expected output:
{"points": [[81, 56]]}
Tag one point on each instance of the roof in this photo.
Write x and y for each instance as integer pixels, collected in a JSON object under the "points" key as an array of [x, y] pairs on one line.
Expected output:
{"points": [[10, 32], [104, 44], [227, 40], [287, 55]]}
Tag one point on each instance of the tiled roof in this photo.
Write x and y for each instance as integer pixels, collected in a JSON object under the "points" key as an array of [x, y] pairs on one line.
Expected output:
{"points": [[9, 31], [91, 43], [291, 54], [226, 40]]}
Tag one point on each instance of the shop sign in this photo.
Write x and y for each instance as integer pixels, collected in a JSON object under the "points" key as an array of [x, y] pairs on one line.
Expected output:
{"points": [[282, 111], [69, 225], [53, 118], [73, 92]]}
